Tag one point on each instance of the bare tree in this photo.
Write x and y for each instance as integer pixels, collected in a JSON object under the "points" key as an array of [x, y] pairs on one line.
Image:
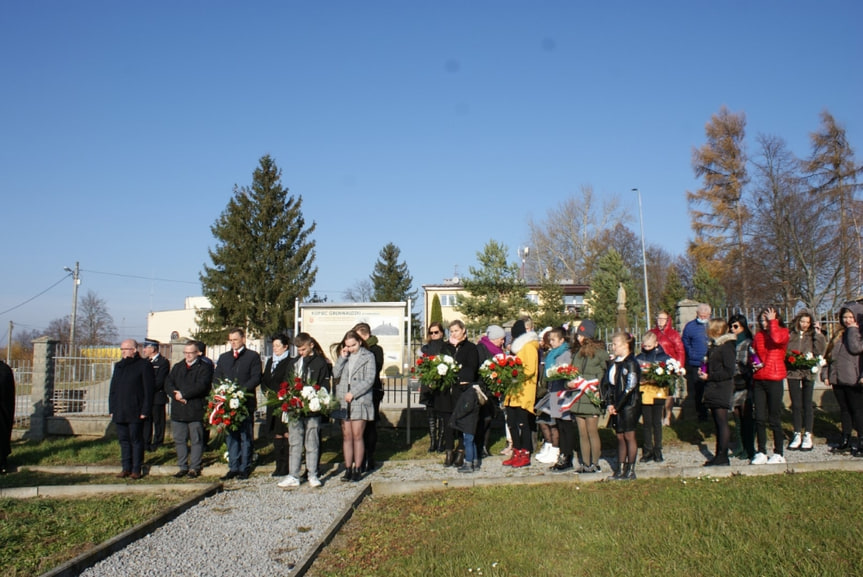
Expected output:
{"points": [[59, 329], [565, 242], [95, 323], [361, 292]]}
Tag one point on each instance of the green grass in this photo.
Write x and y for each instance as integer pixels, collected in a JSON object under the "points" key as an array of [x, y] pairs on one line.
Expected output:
{"points": [[36, 535], [803, 524]]}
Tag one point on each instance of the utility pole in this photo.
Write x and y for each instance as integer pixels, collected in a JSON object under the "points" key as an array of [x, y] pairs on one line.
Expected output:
{"points": [[9, 346], [76, 280]]}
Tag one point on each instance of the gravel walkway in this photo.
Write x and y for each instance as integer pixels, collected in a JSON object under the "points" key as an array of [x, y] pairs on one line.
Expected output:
{"points": [[255, 528]]}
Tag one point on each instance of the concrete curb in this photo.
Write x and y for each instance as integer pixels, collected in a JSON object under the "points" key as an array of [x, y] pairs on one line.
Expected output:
{"points": [[80, 563], [72, 491], [304, 564]]}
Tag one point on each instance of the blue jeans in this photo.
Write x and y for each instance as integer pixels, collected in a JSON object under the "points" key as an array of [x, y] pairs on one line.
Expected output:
{"points": [[469, 448], [240, 447]]}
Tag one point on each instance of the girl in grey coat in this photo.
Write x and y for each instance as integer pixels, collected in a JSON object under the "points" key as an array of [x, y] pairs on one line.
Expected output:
{"points": [[355, 372], [843, 354]]}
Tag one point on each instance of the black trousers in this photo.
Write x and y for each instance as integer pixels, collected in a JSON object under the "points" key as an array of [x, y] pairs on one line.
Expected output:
{"points": [[652, 417], [154, 428]]}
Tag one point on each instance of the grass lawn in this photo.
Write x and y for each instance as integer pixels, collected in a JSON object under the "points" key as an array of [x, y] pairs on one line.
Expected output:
{"points": [[38, 534], [802, 524]]}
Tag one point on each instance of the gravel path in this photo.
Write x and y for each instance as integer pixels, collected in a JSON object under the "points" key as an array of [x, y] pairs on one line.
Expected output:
{"points": [[255, 528]]}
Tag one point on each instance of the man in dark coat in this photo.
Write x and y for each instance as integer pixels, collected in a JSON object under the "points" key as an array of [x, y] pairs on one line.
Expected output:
{"points": [[188, 386], [243, 366], [130, 402], [7, 414], [154, 427]]}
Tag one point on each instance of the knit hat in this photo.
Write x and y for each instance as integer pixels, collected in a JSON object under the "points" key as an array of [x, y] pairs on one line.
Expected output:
{"points": [[587, 329], [495, 332], [518, 329]]}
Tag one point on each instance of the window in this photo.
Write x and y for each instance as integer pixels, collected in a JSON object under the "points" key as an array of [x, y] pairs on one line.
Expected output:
{"points": [[447, 300], [533, 297]]}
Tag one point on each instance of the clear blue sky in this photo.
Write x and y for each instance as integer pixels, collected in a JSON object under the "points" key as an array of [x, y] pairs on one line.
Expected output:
{"points": [[433, 125]]}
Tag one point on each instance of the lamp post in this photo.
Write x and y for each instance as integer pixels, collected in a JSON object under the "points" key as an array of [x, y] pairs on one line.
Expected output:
{"points": [[522, 253], [643, 260], [76, 280]]}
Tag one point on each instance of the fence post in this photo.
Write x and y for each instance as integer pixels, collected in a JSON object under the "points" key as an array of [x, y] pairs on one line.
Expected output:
{"points": [[44, 355]]}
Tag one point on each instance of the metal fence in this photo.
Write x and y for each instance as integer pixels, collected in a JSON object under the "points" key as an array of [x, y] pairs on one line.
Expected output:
{"points": [[23, 371]]}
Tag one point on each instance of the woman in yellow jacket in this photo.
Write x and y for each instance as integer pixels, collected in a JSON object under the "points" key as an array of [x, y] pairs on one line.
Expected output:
{"points": [[519, 408]]}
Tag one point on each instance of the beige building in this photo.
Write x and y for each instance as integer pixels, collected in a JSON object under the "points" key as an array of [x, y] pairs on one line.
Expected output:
{"points": [[448, 292], [180, 324]]}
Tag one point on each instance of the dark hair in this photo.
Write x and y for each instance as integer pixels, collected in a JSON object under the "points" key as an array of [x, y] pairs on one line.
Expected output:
{"points": [[763, 312], [627, 338], [559, 331], [741, 320], [303, 339], [795, 324], [237, 330], [362, 327], [281, 337], [202, 348], [435, 324]]}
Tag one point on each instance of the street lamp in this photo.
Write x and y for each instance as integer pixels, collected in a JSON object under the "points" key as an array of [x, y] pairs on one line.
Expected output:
{"points": [[522, 253], [76, 280], [643, 260]]}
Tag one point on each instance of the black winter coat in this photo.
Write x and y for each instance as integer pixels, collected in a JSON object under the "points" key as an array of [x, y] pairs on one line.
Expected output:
{"points": [[721, 366], [245, 369], [131, 392], [194, 384]]}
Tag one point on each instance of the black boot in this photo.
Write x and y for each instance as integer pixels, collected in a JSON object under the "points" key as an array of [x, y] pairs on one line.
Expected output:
{"points": [[843, 445], [448, 460], [459, 458], [564, 463], [617, 474], [280, 453], [647, 455], [657, 456], [628, 472], [441, 447], [432, 435]]}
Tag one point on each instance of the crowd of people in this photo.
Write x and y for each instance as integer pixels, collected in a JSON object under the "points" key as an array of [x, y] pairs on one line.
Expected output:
{"points": [[729, 371]]}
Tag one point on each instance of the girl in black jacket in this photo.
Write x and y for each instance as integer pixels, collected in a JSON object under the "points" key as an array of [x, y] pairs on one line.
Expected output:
{"points": [[621, 383], [719, 384]]}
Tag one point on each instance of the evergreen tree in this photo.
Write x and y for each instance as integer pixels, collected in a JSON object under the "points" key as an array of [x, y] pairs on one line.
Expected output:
{"points": [[494, 293], [436, 312], [551, 309], [602, 297], [707, 288], [673, 293], [391, 280], [263, 260]]}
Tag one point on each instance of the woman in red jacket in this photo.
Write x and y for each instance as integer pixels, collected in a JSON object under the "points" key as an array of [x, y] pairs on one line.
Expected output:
{"points": [[770, 343]]}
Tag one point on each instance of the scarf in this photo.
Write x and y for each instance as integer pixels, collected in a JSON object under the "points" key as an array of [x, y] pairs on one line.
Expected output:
{"points": [[490, 346], [279, 358], [551, 356]]}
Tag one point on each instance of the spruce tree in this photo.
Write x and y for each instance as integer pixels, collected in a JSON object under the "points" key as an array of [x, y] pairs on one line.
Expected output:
{"points": [[494, 293], [673, 293], [391, 280], [551, 309], [263, 260], [602, 298]]}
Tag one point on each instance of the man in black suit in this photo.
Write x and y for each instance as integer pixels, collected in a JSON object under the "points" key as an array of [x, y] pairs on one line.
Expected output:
{"points": [[188, 386], [130, 402], [243, 366], [154, 427]]}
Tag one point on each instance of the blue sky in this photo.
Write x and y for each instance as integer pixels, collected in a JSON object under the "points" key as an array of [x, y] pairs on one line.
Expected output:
{"points": [[437, 126]]}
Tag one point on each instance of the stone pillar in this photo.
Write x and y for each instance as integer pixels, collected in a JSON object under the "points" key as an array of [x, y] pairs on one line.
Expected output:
{"points": [[44, 353], [686, 311]]}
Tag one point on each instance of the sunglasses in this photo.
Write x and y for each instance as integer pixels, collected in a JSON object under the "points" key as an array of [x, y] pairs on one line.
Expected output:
{"points": [[434, 332], [735, 326]]}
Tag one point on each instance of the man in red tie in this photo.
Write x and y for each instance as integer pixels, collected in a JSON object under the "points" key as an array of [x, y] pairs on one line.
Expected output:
{"points": [[244, 367], [188, 386]]}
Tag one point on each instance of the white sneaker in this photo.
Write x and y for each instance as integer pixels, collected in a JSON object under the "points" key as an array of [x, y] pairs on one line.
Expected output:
{"points": [[806, 445], [775, 459], [314, 481], [759, 459], [543, 453], [550, 457], [795, 442], [289, 481]]}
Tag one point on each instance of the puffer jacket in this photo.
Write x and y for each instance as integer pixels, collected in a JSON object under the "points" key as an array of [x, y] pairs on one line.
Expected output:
{"points": [[770, 346], [526, 348]]}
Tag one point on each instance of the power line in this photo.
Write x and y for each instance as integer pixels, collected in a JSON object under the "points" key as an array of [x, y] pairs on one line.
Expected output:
{"points": [[18, 306], [139, 277]]}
